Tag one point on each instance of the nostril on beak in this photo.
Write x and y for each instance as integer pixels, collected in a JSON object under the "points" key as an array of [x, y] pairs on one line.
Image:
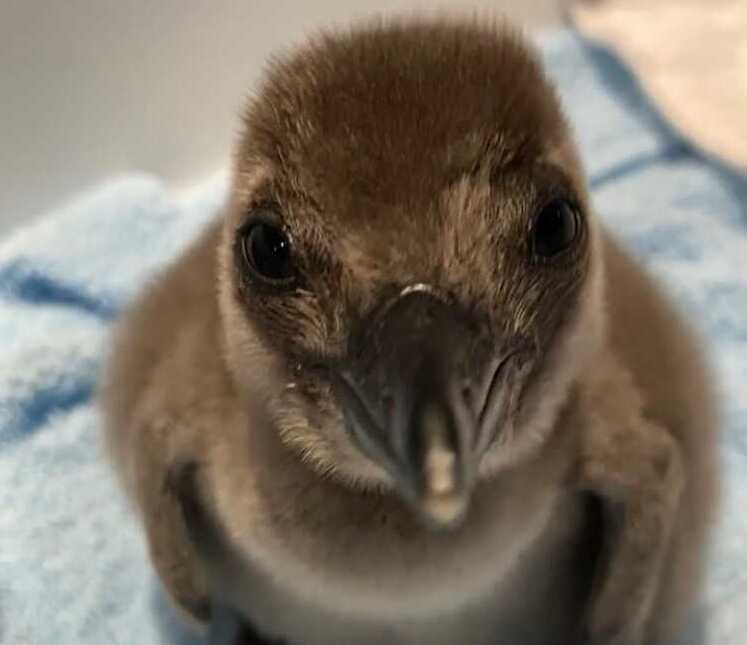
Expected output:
{"points": [[468, 393], [387, 405]]}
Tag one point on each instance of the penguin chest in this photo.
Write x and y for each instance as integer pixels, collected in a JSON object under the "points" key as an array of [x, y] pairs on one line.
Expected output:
{"points": [[537, 600]]}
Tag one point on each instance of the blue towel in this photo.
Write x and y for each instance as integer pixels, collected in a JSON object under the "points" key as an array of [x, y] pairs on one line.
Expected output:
{"points": [[73, 565]]}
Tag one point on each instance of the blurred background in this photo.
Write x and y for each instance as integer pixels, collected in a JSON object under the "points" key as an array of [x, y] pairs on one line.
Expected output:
{"points": [[96, 88]]}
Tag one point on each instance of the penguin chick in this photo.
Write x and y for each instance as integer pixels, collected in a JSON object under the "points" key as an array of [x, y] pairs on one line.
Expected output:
{"points": [[407, 389]]}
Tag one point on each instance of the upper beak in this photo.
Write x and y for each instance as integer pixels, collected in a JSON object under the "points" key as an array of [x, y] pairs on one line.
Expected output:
{"points": [[422, 393]]}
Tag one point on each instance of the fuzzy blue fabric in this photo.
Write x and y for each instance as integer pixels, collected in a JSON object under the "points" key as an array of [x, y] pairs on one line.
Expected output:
{"points": [[73, 565]]}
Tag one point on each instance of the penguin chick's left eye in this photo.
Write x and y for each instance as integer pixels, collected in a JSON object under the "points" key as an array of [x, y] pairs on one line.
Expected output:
{"points": [[555, 228], [267, 251]]}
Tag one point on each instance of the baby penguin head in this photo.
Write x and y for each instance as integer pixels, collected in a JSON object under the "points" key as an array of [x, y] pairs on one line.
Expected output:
{"points": [[408, 264]]}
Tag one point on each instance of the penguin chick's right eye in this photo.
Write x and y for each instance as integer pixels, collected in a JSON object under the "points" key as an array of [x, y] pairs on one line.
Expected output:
{"points": [[266, 250]]}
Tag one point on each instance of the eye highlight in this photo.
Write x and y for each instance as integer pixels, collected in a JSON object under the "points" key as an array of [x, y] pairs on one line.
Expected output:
{"points": [[555, 229], [267, 251]]}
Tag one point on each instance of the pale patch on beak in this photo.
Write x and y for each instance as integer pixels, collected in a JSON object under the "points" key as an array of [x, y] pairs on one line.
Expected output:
{"points": [[444, 501]]}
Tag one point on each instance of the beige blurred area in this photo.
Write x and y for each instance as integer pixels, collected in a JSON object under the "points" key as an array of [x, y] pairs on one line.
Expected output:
{"points": [[690, 57], [90, 89]]}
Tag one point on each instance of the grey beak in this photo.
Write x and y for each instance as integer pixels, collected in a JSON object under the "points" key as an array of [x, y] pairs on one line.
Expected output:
{"points": [[419, 387]]}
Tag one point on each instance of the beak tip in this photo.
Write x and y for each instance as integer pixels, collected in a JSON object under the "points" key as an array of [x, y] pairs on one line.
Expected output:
{"points": [[445, 510]]}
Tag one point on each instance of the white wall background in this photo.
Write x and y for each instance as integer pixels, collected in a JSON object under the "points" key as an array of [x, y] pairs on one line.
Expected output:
{"points": [[95, 88]]}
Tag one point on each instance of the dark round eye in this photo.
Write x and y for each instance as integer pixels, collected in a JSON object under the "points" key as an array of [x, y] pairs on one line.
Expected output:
{"points": [[555, 228], [267, 251]]}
